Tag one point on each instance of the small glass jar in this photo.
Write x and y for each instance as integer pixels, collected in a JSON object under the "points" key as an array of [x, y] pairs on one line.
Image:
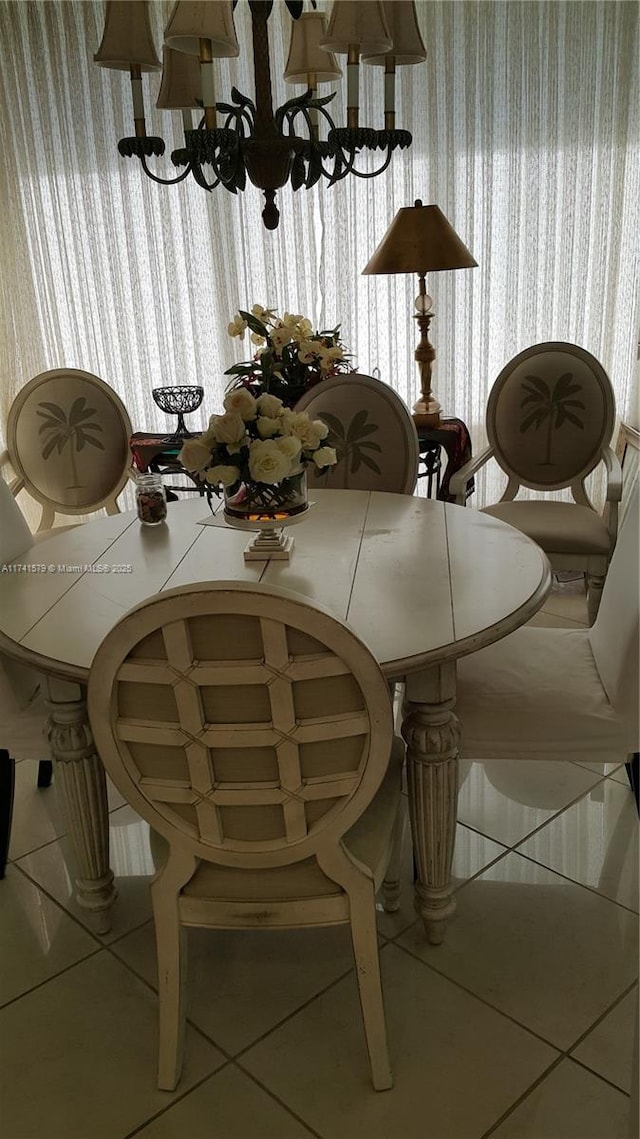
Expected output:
{"points": [[151, 499]]}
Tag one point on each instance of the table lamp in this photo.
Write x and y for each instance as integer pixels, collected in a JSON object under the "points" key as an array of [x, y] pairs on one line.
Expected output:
{"points": [[421, 240]]}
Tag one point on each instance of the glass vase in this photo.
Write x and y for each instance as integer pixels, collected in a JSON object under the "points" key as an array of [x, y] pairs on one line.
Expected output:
{"points": [[267, 502]]}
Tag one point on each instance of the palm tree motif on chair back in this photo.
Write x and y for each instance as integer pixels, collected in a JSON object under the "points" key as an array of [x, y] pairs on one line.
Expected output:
{"points": [[352, 443], [552, 406], [76, 429]]}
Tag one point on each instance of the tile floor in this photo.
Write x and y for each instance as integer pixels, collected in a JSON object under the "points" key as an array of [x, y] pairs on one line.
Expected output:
{"points": [[519, 1027]]}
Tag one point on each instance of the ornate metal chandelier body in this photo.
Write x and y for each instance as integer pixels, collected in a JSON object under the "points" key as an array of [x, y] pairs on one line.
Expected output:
{"points": [[245, 138]]}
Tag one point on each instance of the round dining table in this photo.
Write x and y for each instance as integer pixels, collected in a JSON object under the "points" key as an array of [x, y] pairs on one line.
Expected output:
{"points": [[421, 582]]}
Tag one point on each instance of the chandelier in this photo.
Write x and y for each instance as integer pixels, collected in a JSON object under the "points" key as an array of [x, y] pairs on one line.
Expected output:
{"points": [[244, 138]]}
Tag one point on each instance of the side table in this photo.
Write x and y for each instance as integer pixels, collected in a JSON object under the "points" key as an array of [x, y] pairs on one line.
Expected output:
{"points": [[452, 435], [159, 454]]}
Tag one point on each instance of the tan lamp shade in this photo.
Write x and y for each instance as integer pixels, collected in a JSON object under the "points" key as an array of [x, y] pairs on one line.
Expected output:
{"points": [[420, 240], [358, 22], [181, 86], [306, 57], [190, 21], [127, 41], [402, 22]]}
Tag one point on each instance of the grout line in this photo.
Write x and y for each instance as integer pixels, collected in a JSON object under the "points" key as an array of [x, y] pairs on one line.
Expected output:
{"points": [[482, 1000], [178, 1099], [282, 1103], [516, 1103], [53, 977], [575, 882]]}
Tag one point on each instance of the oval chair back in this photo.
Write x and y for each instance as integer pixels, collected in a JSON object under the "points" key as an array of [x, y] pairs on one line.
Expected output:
{"points": [[550, 413], [372, 431], [68, 442]]}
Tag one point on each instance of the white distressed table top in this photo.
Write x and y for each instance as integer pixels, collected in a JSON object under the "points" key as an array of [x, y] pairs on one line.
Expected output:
{"points": [[418, 580]]}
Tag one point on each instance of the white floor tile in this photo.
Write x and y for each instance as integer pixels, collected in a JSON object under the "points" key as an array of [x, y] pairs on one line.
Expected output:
{"points": [[38, 815], [620, 776], [568, 599], [78, 1056], [569, 1104], [525, 940], [602, 768], [594, 842], [457, 1065], [227, 1106], [608, 1048], [546, 620], [38, 938], [53, 868], [507, 800], [241, 983]]}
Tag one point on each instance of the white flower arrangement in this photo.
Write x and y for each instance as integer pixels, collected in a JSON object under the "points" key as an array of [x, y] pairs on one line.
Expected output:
{"points": [[290, 357], [257, 441]]}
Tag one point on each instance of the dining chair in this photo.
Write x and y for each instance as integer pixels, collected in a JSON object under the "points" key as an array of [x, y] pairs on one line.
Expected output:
{"points": [[549, 423], [372, 431], [565, 694], [254, 733], [22, 712], [68, 444]]}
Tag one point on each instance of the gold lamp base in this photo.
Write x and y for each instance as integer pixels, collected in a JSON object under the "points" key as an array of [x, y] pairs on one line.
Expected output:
{"points": [[424, 419]]}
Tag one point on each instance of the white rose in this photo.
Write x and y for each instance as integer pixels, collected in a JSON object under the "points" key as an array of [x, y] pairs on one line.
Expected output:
{"points": [[295, 423], [229, 429], [267, 427], [325, 457], [241, 402], [195, 455], [320, 428], [224, 474], [290, 445], [269, 405], [267, 462]]}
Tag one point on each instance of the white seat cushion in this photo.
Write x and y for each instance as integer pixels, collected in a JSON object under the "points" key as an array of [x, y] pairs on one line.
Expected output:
{"points": [[558, 527], [537, 695]]}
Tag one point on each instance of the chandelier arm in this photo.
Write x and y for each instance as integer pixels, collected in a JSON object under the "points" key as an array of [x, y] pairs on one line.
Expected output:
{"points": [[349, 168], [164, 181], [239, 116], [196, 169]]}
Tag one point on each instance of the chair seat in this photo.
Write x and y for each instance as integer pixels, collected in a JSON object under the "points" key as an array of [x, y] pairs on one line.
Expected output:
{"points": [[543, 686], [558, 527], [369, 840], [23, 715]]}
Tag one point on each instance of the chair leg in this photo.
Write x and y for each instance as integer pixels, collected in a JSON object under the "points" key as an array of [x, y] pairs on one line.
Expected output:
{"points": [[171, 955], [632, 775], [595, 585], [45, 771], [364, 938], [391, 884], [7, 786]]}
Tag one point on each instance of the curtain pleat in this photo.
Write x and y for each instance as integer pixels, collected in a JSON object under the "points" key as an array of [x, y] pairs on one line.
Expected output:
{"points": [[525, 119]]}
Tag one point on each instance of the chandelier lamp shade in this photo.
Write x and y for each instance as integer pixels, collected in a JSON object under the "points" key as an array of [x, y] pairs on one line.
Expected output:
{"points": [[298, 143], [421, 240]]}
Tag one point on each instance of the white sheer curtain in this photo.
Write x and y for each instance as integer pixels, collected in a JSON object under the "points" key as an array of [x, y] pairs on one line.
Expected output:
{"points": [[525, 120]]}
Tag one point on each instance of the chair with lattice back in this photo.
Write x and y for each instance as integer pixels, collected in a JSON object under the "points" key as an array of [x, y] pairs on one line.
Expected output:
{"points": [[549, 422], [68, 443], [254, 733], [372, 431]]}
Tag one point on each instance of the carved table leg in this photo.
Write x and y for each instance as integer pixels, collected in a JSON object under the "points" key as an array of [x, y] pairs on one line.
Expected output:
{"points": [[431, 732], [84, 792]]}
